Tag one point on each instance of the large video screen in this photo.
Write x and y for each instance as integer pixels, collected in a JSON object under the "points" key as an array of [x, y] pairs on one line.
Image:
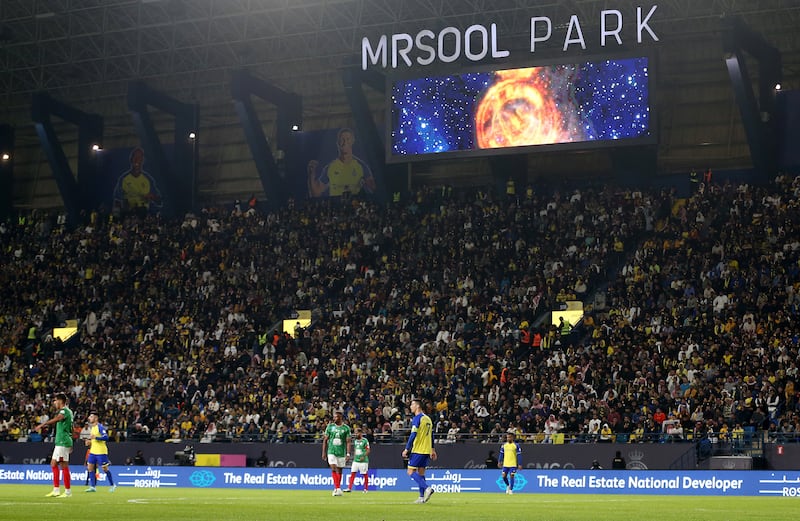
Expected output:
{"points": [[593, 102]]}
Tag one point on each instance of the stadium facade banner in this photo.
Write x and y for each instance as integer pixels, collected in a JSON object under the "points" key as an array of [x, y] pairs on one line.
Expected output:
{"points": [[617, 27], [127, 184], [692, 483], [328, 163]]}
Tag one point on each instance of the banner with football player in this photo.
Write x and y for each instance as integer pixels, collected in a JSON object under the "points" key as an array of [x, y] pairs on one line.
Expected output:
{"points": [[332, 164]]}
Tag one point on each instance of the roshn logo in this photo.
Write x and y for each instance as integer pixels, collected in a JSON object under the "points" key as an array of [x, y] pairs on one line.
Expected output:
{"points": [[202, 478], [519, 482], [635, 461]]}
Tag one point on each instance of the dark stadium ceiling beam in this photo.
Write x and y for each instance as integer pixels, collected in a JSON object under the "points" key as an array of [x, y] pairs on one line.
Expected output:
{"points": [[76, 188], [757, 111], [289, 108], [177, 177]]}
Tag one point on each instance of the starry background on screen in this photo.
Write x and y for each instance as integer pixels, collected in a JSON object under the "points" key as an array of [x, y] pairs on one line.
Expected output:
{"points": [[608, 98]]}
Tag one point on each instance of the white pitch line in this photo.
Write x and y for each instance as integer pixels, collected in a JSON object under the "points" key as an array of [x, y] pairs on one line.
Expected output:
{"points": [[145, 501]]}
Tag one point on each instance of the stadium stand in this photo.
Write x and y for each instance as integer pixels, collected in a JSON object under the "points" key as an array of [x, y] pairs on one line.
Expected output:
{"points": [[444, 296]]}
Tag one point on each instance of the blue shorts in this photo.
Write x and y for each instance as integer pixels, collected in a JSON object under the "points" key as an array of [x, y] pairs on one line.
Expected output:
{"points": [[509, 470], [418, 461], [98, 460]]}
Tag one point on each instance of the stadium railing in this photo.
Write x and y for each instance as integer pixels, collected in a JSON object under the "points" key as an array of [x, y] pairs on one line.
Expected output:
{"points": [[719, 444]]}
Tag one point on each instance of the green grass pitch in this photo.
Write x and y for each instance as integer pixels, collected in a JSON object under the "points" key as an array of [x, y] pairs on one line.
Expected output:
{"points": [[27, 502]]}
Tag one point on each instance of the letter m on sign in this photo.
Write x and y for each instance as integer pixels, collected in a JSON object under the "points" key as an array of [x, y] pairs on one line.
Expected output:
{"points": [[373, 56]]}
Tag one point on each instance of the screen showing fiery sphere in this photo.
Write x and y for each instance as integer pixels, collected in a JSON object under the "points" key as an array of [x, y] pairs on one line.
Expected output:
{"points": [[568, 103]]}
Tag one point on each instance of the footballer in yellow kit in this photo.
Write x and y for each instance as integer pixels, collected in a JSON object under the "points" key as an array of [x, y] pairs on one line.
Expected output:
{"points": [[98, 453], [510, 460]]}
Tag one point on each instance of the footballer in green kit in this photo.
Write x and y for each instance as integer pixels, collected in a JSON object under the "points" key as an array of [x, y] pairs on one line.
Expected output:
{"points": [[360, 460], [336, 444], [63, 444]]}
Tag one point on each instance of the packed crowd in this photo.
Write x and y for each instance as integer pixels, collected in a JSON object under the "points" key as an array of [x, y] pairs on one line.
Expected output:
{"points": [[441, 296]]}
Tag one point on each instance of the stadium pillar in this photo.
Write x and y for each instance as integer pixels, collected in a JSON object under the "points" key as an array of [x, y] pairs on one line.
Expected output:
{"points": [[789, 129], [6, 170], [271, 168], [79, 193], [634, 166], [178, 177], [509, 168], [758, 115]]}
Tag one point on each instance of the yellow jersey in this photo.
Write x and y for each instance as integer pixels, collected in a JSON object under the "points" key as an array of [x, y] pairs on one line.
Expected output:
{"points": [[510, 454], [100, 435], [344, 177], [423, 427], [135, 190]]}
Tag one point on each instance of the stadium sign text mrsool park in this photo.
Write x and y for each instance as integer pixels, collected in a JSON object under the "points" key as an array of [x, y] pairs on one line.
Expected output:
{"points": [[657, 482], [480, 41]]}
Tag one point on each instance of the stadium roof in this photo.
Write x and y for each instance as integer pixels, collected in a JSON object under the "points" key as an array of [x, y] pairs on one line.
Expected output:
{"points": [[67, 46], [86, 51]]}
